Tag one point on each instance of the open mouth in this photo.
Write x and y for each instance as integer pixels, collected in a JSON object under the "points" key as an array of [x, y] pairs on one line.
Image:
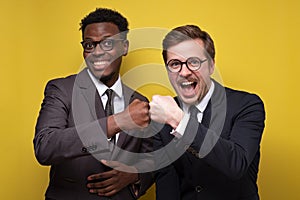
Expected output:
{"points": [[99, 65], [100, 62], [188, 84], [188, 88]]}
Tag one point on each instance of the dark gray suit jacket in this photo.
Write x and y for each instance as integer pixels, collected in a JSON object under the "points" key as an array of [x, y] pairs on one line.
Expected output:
{"points": [[70, 129], [215, 165]]}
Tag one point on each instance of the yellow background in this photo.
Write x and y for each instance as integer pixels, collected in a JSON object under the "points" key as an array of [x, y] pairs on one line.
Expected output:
{"points": [[257, 44]]}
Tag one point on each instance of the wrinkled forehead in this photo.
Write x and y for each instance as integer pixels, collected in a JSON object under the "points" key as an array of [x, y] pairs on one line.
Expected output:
{"points": [[186, 49]]}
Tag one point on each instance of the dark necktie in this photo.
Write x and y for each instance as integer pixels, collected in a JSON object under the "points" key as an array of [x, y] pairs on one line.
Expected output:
{"points": [[193, 111], [109, 110], [109, 104]]}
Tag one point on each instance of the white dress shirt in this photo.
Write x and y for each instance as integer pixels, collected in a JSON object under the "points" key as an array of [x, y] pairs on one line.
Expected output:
{"points": [[118, 98]]}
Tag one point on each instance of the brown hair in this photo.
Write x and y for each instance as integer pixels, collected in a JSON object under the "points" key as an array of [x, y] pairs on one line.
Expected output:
{"points": [[188, 32]]}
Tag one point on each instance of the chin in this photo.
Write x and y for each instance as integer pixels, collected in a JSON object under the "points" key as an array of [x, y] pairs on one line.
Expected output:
{"points": [[189, 101], [97, 74]]}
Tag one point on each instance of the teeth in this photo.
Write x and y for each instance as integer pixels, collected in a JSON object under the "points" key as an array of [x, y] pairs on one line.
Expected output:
{"points": [[100, 63], [187, 83]]}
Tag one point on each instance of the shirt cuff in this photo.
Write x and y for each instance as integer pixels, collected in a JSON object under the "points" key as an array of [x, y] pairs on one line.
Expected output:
{"points": [[179, 131]]}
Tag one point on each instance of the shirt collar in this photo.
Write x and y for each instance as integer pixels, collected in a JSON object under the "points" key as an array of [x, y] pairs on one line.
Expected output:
{"points": [[117, 86]]}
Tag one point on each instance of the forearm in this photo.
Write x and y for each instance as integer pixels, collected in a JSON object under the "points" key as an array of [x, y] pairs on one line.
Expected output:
{"points": [[53, 145]]}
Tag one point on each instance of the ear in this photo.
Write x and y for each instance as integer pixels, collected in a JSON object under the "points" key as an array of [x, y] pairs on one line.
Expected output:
{"points": [[211, 67], [125, 47]]}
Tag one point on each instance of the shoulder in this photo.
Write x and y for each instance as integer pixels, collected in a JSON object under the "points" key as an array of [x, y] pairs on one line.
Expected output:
{"points": [[233, 95], [241, 96], [237, 99], [64, 84], [242, 103], [63, 80]]}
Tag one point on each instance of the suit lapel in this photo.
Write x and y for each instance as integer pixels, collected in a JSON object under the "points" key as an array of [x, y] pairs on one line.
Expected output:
{"points": [[88, 90]]}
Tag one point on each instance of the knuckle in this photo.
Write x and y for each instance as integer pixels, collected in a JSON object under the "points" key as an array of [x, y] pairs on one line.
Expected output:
{"points": [[146, 112], [103, 190], [99, 184], [92, 185], [115, 172], [155, 97]]}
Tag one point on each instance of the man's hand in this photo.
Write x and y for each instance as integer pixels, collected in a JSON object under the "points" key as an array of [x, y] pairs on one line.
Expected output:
{"points": [[164, 109], [114, 180], [134, 117]]}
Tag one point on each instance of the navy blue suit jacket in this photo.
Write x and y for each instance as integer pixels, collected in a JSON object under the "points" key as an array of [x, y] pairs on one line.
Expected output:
{"points": [[221, 161]]}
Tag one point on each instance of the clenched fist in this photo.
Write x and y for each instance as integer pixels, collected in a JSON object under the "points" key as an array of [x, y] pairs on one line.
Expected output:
{"points": [[134, 117], [164, 109]]}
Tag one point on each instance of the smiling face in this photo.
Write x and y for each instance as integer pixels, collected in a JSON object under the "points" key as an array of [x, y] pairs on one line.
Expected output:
{"points": [[190, 86], [105, 65]]}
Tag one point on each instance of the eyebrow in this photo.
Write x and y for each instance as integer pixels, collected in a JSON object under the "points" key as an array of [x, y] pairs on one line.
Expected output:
{"points": [[103, 38]]}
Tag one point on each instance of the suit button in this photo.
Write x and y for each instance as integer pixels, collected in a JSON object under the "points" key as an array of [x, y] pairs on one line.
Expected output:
{"points": [[198, 188], [83, 149]]}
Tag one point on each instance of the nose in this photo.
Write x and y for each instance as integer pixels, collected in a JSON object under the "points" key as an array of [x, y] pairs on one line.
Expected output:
{"points": [[185, 71], [98, 50]]}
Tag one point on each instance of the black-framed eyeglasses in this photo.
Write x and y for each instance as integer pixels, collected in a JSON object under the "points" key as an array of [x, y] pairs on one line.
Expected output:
{"points": [[192, 63], [108, 44]]}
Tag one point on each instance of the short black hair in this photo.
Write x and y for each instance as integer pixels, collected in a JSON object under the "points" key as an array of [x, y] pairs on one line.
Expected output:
{"points": [[105, 15]]}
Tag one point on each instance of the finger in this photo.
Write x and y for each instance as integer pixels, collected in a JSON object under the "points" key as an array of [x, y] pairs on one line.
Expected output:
{"points": [[101, 189], [108, 194], [146, 105], [153, 111], [94, 177], [153, 105], [108, 191], [136, 101], [94, 187], [103, 175], [155, 98]]}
